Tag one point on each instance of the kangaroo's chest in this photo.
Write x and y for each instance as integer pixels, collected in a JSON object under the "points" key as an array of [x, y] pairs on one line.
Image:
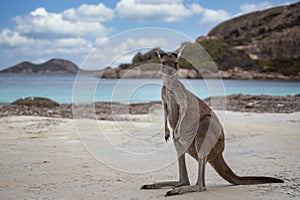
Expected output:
{"points": [[176, 97], [173, 109]]}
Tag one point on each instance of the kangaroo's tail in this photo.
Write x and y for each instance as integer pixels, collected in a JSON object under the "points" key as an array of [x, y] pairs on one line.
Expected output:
{"points": [[225, 172]]}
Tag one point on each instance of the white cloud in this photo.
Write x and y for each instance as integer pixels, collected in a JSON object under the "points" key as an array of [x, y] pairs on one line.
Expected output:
{"points": [[159, 1], [115, 53], [247, 7], [89, 13], [100, 40], [15, 46], [149, 11], [145, 42], [196, 8], [213, 16], [40, 46], [166, 11], [13, 39], [41, 23], [41, 34]]}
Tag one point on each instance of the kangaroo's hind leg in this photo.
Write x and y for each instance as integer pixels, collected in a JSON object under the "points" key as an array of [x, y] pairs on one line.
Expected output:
{"points": [[206, 138], [200, 185], [183, 175]]}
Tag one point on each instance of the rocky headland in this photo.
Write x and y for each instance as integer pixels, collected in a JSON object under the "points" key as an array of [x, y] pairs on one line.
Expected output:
{"points": [[259, 45]]}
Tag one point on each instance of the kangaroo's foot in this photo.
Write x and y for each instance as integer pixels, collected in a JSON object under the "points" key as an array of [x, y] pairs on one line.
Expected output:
{"points": [[170, 184], [185, 189]]}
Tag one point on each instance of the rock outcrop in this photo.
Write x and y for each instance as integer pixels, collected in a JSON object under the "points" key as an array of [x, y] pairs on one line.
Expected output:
{"points": [[137, 73], [269, 34], [113, 110], [265, 40], [256, 103], [36, 101]]}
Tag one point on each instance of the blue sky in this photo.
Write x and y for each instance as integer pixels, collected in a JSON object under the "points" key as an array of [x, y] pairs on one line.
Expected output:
{"points": [[38, 30]]}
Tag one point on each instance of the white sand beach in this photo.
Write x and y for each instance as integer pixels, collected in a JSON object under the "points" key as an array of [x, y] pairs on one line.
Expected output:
{"points": [[43, 158]]}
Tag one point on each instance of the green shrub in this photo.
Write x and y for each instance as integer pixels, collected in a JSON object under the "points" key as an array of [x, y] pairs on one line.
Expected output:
{"points": [[287, 66]]}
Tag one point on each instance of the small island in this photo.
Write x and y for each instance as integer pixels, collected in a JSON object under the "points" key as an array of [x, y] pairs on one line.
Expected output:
{"points": [[53, 66]]}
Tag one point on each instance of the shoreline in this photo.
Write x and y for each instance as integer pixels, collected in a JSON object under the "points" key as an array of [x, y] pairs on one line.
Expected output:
{"points": [[231, 74], [108, 110], [235, 73]]}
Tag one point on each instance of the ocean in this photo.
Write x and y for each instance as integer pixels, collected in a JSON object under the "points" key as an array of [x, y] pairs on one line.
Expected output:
{"points": [[68, 88]]}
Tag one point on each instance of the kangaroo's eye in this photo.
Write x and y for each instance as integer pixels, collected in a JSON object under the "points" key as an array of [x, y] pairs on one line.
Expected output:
{"points": [[163, 62]]}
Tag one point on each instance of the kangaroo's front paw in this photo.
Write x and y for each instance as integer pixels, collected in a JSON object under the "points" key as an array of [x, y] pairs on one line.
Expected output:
{"points": [[167, 136]]}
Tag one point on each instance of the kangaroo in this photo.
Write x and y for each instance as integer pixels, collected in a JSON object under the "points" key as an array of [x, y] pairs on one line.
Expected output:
{"points": [[196, 131]]}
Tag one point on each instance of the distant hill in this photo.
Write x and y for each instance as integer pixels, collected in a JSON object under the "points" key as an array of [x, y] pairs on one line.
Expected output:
{"points": [[53, 66], [265, 42]]}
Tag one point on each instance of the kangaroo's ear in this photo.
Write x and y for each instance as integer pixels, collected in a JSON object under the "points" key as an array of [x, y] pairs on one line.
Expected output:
{"points": [[180, 51], [160, 54]]}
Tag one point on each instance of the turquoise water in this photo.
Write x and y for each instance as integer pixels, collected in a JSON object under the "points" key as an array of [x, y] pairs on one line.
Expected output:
{"points": [[87, 88]]}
